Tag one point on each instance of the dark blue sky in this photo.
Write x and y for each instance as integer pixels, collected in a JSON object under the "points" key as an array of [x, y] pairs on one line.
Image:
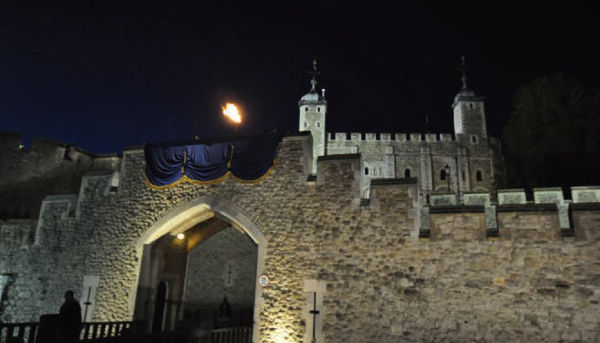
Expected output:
{"points": [[105, 78]]}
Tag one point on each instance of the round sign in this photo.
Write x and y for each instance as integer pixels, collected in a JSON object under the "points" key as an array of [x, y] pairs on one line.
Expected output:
{"points": [[263, 280]]}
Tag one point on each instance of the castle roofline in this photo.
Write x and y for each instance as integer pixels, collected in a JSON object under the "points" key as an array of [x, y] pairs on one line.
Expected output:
{"points": [[311, 96], [466, 95], [311, 101]]}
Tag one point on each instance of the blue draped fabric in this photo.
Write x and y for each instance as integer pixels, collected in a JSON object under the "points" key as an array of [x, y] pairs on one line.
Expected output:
{"points": [[252, 158], [247, 160]]}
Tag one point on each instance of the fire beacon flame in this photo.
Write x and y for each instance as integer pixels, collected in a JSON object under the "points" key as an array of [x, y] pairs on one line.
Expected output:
{"points": [[231, 111]]}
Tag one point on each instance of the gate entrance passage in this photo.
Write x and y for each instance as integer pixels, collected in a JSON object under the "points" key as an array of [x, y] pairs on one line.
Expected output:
{"points": [[198, 275]]}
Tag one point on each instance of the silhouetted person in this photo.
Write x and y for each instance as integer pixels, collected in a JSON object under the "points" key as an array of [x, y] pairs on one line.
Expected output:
{"points": [[225, 309], [70, 319], [224, 314]]}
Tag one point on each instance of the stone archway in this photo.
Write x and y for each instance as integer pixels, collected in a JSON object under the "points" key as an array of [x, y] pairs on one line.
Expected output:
{"points": [[182, 218]]}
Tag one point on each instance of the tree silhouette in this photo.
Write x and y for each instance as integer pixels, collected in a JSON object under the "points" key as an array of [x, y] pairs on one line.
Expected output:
{"points": [[552, 135]]}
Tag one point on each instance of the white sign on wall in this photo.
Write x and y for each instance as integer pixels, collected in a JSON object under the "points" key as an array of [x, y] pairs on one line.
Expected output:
{"points": [[263, 280], [88, 296]]}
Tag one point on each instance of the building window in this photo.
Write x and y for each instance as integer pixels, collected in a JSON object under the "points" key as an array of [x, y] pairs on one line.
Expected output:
{"points": [[366, 170], [318, 124], [406, 173], [463, 175], [471, 105], [318, 108], [478, 176], [442, 174], [305, 108], [474, 139], [305, 124]]}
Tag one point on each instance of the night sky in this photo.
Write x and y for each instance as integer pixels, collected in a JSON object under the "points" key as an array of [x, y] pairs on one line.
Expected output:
{"points": [[105, 78]]}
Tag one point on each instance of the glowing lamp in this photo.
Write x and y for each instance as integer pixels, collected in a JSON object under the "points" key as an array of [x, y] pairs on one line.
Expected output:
{"points": [[231, 111], [180, 236]]}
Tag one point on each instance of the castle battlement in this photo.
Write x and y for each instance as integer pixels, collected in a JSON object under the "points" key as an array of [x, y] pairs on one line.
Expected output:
{"points": [[335, 137]]}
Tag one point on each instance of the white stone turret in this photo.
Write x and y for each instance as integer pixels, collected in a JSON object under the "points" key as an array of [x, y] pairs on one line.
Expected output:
{"points": [[313, 108], [469, 113]]}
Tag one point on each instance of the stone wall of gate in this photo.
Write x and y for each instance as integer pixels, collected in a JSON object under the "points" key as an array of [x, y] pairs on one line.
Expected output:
{"points": [[384, 283], [223, 265]]}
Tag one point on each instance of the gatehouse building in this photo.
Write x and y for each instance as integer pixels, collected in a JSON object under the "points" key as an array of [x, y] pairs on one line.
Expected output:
{"points": [[342, 239]]}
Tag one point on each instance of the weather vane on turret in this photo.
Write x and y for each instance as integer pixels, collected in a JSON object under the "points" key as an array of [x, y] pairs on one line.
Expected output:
{"points": [[314, 74], [463, 70]]}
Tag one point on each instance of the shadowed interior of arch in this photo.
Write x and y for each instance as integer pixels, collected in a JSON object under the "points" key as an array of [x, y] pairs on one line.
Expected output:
{"points": [[209, 270]]}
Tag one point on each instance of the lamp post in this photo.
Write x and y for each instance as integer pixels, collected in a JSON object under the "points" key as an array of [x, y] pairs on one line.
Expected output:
{"points": [[231, 111], [447, 170]]}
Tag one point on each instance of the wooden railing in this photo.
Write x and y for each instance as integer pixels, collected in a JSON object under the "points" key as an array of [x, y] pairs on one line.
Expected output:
{"points": [[157, 337], [231, 335], [112, 332], [18, 332], [91, 332]]}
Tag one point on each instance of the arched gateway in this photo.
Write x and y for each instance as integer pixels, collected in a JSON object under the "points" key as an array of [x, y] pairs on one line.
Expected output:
{"points": [[339, 268], [183, 219]]}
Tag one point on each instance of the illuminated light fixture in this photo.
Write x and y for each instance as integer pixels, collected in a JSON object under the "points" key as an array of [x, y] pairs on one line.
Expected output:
{"points": [[231, 111], [180, 236], [281, 335]]}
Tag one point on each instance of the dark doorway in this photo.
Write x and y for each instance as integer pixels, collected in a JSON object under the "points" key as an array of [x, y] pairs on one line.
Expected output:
{"points": [[185, 277], [159, 307]]}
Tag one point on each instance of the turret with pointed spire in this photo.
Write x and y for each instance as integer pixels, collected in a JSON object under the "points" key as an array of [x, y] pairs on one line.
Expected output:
{"points": [[463, 69], [313, 108], [313, 94], [469, 112]]}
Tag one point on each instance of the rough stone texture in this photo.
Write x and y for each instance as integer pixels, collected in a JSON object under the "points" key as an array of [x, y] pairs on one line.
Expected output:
{"points": [[530, 226], [47, 168], [383, 283], [209, 279], [391, 158]]}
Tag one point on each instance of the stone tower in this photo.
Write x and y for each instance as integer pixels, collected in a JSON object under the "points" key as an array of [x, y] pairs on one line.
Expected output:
{"points": [[313, 108], [469, 113]]}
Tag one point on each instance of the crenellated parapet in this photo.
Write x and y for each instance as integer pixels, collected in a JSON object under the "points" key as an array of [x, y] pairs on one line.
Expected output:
{"points": [[549, 215], [388, 137], [29, 174], [342, 173]]}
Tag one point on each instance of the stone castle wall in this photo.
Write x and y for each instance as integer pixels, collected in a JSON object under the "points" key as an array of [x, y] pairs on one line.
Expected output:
{"points": [[224, 265], [382, 281], [47, 168], [425, 156]]}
